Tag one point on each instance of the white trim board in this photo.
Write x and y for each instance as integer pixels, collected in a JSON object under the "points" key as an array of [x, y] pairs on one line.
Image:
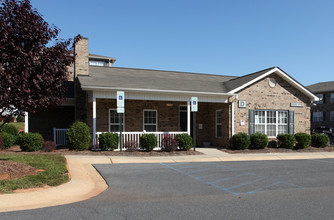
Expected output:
{"points": [[284, 76]]}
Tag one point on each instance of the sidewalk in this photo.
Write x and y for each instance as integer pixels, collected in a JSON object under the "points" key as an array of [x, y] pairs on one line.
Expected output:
{"points": [[86, 182]]}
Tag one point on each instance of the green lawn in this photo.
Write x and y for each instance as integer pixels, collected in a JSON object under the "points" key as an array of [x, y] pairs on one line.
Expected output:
{"points": [[18, 125], [55, 172]]}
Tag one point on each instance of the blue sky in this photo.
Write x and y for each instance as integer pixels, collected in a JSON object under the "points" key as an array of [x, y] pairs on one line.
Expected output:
{"points": [[233, 37]]}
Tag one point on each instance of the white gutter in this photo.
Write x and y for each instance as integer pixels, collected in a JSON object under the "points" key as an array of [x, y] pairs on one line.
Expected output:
{"points": [[94, 88]]}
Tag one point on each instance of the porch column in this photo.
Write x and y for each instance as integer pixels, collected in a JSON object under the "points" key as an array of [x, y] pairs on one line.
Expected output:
{"points": [[188, 117], [94, 122], [26, 122]]}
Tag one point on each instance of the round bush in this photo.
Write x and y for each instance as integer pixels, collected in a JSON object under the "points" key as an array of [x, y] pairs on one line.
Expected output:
{"points": [[303, 140], [8, 140], [320, 140], [185, 141], [258, 141], [10, 129], [168, 143], [148, 142], [272, 144], [108, 141], [30, 141], [20, 118], [287, 141], [78, 136], [240, 141]]}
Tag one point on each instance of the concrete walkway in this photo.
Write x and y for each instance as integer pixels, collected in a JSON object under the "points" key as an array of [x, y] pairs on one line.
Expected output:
{"points": [[86, 182]]}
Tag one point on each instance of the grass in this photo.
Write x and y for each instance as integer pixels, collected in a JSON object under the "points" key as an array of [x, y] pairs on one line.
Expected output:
{"points": [[18, 125], [54, 174]]}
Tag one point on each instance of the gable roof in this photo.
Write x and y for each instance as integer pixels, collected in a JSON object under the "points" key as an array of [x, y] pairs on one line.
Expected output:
{"points": [[131, 79], [152, 80], [321, 87]]}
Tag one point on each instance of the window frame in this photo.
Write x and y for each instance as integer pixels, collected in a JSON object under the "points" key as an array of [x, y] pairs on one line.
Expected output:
{"points": [[156, 119], [109, 123], [321, 99], [97, 62], [274, 117], [218, 123], [313, 117], [331, 116]]}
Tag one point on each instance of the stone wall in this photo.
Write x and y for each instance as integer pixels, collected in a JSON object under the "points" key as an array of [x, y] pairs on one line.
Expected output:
{"points": [[261, 96]]}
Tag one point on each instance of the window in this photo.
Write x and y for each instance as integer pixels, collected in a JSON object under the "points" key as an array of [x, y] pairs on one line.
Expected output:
{"points": [[114, 120], [332, 97], [150, 120], [271, 122], [321, 97], [219, 123], [332, 116], [317, 116], [97, 63]]}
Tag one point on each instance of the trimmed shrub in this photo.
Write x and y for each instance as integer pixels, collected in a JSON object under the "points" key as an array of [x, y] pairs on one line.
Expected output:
{"points": [[30, 141], [49, 146], [20, 118], [108, 141], [272, 144], [131, 145], [148, 142], [78, 136], [258, 141], [240, 141], [7, 139], [320, 140], [287, 141], [10, 129], [185, 141], [303, 140], [168, 143]]}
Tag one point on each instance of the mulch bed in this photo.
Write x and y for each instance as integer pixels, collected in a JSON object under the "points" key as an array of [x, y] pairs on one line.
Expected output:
{"points": [[14, 170], [279, 150], [65, 151]]}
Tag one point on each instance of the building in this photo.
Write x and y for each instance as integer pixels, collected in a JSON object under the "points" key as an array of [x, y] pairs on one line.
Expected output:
{"points": [[269, 101], [323, 110]]}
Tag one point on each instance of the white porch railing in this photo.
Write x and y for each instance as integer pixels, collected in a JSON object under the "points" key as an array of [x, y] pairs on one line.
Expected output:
{"points": [[59, 136], [133, 137]]}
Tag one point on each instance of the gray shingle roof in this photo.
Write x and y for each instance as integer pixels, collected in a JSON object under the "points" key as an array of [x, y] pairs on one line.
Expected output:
{"points": [[321, 87], [117, 77], [239, 81]]}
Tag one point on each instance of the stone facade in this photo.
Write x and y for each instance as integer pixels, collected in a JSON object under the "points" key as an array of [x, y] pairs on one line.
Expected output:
{"points": [[327, 107], [263, 97], [81, 63]]}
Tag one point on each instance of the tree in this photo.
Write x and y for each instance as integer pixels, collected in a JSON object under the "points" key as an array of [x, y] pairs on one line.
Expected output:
{"points": [[31, 73]]}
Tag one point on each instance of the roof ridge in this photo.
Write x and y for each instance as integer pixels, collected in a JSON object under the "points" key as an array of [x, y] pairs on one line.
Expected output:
{"points": [[270, 68], [210, 74]]}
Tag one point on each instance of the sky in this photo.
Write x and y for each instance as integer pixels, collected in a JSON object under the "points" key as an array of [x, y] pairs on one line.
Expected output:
{"points": [[234, 37]]}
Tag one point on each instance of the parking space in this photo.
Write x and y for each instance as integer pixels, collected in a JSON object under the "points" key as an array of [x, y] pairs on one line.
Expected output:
{"points": [[232, 180], [291, 189]]}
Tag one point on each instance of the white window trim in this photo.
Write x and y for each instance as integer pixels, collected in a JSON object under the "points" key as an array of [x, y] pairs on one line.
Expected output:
{"points": [[218, 123], [276, 124], [156, 119], [123, 125]]}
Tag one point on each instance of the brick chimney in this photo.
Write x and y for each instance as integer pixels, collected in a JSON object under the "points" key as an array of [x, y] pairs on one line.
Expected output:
{"points": [[81, 63]]}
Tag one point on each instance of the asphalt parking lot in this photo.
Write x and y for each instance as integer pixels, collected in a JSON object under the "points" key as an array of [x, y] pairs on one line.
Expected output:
{"points": [[291, 189]]}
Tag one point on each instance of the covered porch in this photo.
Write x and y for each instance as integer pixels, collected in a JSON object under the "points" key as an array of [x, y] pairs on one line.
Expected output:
{"points": [[160, 113]]}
